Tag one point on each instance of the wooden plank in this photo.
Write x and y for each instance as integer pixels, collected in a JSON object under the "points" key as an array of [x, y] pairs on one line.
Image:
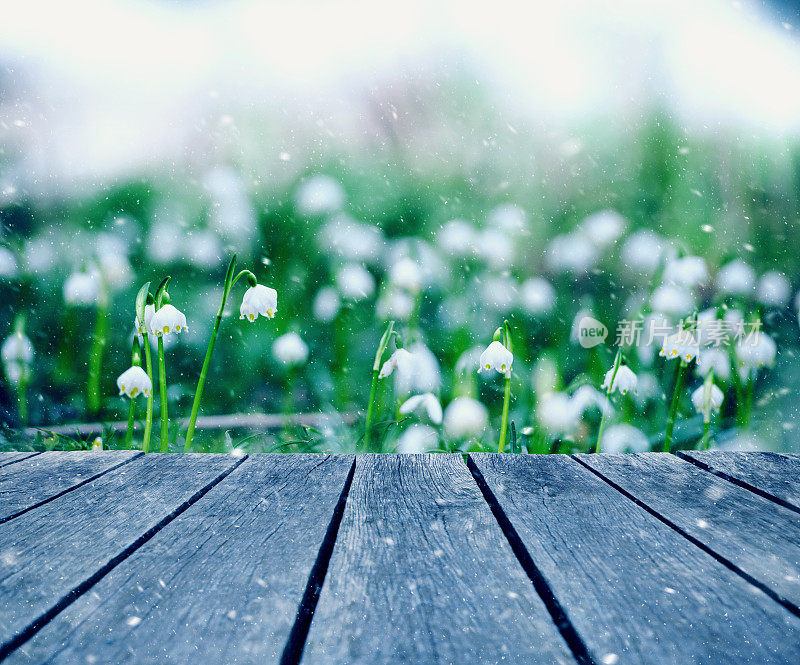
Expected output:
{"points": [[50, 555], [758, 538], [36, 480], [222, 583], [421, 573], [14, 457], [772, 475], [635, 590]]}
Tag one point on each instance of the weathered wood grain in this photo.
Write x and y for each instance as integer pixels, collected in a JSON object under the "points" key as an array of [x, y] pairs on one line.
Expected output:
{"points": [[35, 480], [12, 458], [221, 583], [772, 475], [754, 535], [635, 589], [49, 555], [421, 573]]}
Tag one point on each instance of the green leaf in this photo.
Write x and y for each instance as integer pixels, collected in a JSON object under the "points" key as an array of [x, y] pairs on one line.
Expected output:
{"points": [[141, 301]]}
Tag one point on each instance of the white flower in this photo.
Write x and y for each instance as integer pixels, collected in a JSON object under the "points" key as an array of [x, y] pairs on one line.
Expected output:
{"points": [[327, 304], [418, 439], [319, 195], [17, 356], [355, 282], [572, 253], [495, 248], [557, 414], [754, 352], [465, 418], [350, 239], [624, 437], [149, 310], [680, 345], [641, 252], [258, 299], [426, 402], [134, 381], [688, 271], [458, 237], [736, 278], [397, 305], [604, 228], [8, 264], [290, 349], [166, 320], [97, 444], [400, 358], [708, 401], [496, 357], [624, 381], [82, 288], [537, 296], [717, 359], [588, 397], [417, 370], [509, 218], [672, 300], [204, 248], [406, 274], [498, 292], [773, 289]]}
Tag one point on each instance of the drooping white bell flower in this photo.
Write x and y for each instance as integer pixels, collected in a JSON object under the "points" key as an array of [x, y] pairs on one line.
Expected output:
{"points": [[82, 289], [509, 218], [736, 278], [355, 282], [327, 304], [290, 349], [167, 320], [9, 268], [134, 381], [406, 274], [458, 238], [418, 439], [537, 296], [417, 372], [259, 299], [717, 359], [773, 289], [397, 305], [625, 380], [641, 252], [319, 195], [427, 403], [672, 300], [588, 397], [496, 357], [754, 352], [97, 444], [400, 358], [17, 356], [707, 399], [557, 414], [149, 310], [604, 228], [680, 345], [623, 437], [687, 271], [465, 418]]}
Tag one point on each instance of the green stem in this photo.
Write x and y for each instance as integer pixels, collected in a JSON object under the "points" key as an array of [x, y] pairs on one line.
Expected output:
{"points": [[131, 417], [706, 432], [162, 390], [96, 358], [201, 382], [748, 401], [600, 432], [617, 362], [370, 408], [22, 398], [148, 422], [504, 424], [673, 408]]}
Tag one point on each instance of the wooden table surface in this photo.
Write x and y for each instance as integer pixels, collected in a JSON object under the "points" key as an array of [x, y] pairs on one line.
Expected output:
{"points": [[119, 557]]}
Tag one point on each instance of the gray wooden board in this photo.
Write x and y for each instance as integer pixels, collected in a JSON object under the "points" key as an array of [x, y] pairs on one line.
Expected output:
{"points": [[759, 537], [422, 573], [635, 590], [772, 474], [47, 553], [12, 458], [220, 584], [40, 478]]}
